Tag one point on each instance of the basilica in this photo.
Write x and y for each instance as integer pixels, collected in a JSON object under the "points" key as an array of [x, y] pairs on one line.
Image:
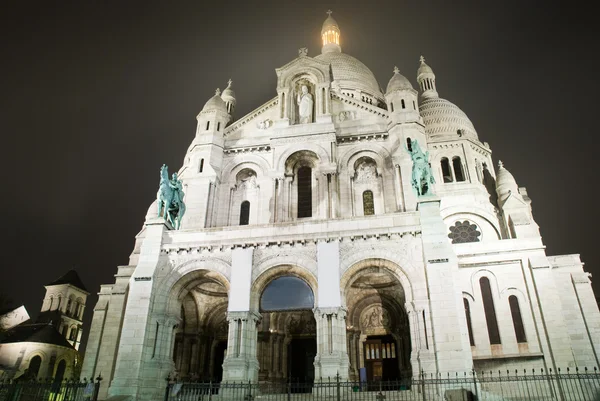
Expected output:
{"points": [[340, 228]]}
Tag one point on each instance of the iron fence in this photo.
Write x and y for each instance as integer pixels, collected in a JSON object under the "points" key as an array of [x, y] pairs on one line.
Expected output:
{"points": [[566, 385], [50, 390]]}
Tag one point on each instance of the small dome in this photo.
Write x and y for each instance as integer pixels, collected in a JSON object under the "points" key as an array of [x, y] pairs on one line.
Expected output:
{"points": [[215, 103], [351, 73], [505, 183], [330, 23], [228, 93], [424, 68], [443, 118], [398, 82], [152, 212]]}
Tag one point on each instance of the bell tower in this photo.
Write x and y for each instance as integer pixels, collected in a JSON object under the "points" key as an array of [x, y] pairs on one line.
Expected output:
{"points": [[64, 305]]}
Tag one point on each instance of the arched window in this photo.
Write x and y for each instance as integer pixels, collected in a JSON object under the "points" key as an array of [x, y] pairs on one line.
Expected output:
{"points": [[515, 311], [219, 126], [304, 192], [287, 293], [73, 333], [458, 169], [409, 144], [244, 213], [207, 125], [490, 311], [368, 205], [403, 104], [51, 302], [446, 172], [34, 366], [469, 324], [60, 371], [69, 303], [392, 105]]}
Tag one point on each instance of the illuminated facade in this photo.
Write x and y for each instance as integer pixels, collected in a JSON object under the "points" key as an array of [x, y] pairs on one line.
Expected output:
{"points": [[305, 251], [49, 347]]}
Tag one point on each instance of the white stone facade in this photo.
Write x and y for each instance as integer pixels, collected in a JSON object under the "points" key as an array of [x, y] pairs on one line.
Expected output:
{"points": [[330, 201]]}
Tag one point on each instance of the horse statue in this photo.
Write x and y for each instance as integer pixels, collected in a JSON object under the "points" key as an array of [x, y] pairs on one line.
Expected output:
{"points": [[170, 198], [422, 178]]}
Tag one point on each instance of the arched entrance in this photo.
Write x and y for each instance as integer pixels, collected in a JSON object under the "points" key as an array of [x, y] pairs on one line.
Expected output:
{"points": [[200, 338], [287, 333], [378, 332]]}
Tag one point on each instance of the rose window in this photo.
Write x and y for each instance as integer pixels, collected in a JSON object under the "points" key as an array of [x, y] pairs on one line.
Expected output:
{"points": [[464, 231]]}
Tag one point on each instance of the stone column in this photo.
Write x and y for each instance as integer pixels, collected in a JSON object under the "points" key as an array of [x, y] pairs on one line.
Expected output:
{"points": [[332, 354], [450, 340], [136, 340], [241, 362]]}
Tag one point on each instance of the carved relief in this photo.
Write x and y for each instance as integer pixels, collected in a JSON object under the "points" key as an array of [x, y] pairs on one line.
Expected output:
{"points": [[264, 124], [301, 323], [366, 172], [346, 115], [375, 318]]}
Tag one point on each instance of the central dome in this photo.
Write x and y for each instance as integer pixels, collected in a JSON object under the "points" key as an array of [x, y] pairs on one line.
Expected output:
{"points": [[351, 73]]}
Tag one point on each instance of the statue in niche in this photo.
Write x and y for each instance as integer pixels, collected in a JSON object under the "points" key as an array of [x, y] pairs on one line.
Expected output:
{"points": [[422, 178], [247, 181], [305, 106]]}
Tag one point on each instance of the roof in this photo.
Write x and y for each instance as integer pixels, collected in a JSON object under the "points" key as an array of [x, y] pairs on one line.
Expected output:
{"points": [[351, 73], [34, 333], [71, 277], [444, 119]]}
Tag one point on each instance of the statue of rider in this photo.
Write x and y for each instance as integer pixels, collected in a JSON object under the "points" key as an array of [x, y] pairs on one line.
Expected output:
{"points": [[422, 177]]}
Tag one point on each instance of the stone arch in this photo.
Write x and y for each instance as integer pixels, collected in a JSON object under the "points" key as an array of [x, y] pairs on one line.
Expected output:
{"points": [[308, 72], [318, 150], [308, 263], [353, 264], [239, 162], [182, 277], [469, 296], [481, 217], [279, 270], [493, 281], [376, 152]]}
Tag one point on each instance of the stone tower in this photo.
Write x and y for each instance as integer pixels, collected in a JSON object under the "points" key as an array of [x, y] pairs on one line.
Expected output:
{"points": [[63, 306]]}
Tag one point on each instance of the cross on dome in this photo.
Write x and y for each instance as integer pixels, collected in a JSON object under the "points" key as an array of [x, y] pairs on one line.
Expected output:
{"points": [[218, 92], [396, 70], [500, 164], [329, 12], [422, 59], [229, 82]]}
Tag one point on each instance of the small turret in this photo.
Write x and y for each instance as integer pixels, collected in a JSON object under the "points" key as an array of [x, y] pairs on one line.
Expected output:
{"points": [[506, 185], [515, 208], [426, 80], [401, 99], [212, 120], [228, 97]]}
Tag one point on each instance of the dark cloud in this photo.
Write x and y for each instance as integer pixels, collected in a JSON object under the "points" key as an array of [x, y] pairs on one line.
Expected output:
{"points": [[96, 96]]}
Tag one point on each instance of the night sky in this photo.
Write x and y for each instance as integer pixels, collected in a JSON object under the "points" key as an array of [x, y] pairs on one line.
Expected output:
{"points": [[97, 95]]}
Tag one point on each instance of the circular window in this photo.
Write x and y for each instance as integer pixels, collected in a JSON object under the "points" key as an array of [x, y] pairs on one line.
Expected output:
{"points": [[464, 231]]}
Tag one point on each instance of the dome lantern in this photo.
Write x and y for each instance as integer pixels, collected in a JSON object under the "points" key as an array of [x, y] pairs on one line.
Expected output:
{"points": [[330, 34], [426, 80]]}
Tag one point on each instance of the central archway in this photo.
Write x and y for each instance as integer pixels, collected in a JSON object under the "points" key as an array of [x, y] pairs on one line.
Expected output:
{"points": [[287, 343]]}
